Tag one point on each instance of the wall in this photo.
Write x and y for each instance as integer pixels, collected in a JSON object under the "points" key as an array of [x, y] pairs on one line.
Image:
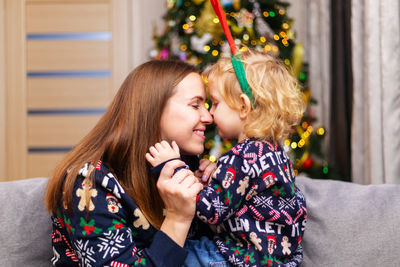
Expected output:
{"points": [[145, 16], [2, 97]]}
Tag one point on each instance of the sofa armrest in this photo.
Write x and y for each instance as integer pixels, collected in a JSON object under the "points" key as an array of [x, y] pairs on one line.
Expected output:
{"points": [[350, 224], [25, 225]]}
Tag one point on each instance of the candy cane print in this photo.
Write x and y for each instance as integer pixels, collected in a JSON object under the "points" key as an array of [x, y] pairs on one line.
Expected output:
{"points": [[260, 149], [299, 213], [275, 217], [235, 151], [270, 146], [305, 209], [118, 264], [259, 217], [98, 165], [70, 254], [59, 236], [253, 157], [134, 251], [289, 220], [241, 211], [213, 221]]}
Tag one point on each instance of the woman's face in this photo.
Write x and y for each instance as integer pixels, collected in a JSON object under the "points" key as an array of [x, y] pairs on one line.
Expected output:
{"points": [[185, 116]]}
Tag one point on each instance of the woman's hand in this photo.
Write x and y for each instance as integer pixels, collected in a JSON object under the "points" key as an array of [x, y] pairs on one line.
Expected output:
{"points": [[178, 193], [205, 170]]}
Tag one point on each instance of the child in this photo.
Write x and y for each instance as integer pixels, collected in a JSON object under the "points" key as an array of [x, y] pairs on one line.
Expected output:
{"points": [[256, 210]]}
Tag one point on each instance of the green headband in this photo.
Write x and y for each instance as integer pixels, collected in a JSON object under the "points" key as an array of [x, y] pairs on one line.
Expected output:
{"points": [[241, 76]]}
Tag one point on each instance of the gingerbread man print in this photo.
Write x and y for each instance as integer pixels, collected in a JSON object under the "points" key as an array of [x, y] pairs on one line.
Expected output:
{"points": [[243, 185], [256, 241], [286, 245], [82, 193], [141, 221]]}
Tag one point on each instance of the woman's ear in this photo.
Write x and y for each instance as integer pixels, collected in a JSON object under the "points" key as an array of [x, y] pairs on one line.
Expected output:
{"points": [[245, 106]]}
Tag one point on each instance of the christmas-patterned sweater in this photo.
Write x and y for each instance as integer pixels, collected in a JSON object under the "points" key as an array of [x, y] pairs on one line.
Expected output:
{"points": [[113, 233], [254, 206]]}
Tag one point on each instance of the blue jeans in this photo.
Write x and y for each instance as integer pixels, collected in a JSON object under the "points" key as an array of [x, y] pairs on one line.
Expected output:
{"points": [[203, 253]]}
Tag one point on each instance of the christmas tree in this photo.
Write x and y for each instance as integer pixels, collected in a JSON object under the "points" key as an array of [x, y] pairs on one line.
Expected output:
{"points": [[193, 34]]}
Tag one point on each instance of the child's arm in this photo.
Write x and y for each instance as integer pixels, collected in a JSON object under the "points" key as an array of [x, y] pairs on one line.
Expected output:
{"points": [[226, 191], [162, 152]]}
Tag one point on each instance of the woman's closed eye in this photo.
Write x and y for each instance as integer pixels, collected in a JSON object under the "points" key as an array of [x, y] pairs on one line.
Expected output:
{"points": [[196, 106]]}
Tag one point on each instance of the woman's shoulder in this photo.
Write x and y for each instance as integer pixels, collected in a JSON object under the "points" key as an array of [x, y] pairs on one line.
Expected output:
{"points": [[98, 193], [97, 180]]}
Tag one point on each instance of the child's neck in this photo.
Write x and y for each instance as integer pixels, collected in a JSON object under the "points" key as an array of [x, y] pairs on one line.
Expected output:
{"points": [[241, 137]]}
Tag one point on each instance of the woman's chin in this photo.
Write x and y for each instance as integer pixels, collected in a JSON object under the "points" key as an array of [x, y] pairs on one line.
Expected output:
{"points": [[193, 151]]}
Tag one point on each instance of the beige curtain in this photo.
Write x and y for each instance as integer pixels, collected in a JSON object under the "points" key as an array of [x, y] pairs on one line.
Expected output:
{"points": [[312, 26], [376, 74]]}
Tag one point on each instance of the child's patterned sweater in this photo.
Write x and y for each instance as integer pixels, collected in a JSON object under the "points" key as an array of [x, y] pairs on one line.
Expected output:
{"points": [[115, 232], [258, 213]]}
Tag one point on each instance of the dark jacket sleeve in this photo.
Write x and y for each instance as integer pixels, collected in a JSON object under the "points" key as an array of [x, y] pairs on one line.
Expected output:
{"points": [[113, 233]]}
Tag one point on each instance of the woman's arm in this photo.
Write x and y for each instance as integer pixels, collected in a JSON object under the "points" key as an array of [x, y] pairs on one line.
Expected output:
{"points": [[179, 194]]}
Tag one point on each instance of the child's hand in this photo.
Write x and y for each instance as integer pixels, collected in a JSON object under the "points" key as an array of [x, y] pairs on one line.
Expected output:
{"points": [[161, 152], [205, 170]]}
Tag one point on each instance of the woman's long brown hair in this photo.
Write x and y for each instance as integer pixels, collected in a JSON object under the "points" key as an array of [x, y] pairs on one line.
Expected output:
{"points": [[122, 137]]}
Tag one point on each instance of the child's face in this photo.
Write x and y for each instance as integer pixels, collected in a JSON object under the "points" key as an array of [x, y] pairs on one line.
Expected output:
{"points": [[226, 119], [185, 116]]}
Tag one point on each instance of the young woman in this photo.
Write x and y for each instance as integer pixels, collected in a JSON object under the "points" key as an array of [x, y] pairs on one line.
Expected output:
{"points": [[107, 208]]}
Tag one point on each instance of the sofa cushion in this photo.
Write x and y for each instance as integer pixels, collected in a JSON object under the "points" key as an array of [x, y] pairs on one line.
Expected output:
{"points": [[350, 224], [25, 225]]}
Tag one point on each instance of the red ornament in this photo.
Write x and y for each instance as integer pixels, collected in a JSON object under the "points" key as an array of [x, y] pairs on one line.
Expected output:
{"points": [[307, 163]]}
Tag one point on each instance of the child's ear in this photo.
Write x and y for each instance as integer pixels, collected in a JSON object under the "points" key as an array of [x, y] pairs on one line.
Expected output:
{"points": [[245, 106]]}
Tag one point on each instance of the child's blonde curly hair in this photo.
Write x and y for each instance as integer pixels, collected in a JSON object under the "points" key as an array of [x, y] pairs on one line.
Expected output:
{"points": [[278, 101]]}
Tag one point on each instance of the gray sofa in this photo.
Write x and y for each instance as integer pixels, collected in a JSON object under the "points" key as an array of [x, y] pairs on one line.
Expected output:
{"points": [[348, 224]]}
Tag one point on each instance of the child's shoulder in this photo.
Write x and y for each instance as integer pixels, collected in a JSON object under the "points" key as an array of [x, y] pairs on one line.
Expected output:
{"points": [[254, 145]]}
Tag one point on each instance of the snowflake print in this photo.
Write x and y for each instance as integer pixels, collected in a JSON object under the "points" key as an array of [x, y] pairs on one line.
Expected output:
{"points": [[111, 243], [300, 195], [221, 246], [235, 261], [129, 234], [286, 203], [263, 201], [84, 253], [209, 190], [230, 213], [290, 264], [219, 206], [56, 256]]}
